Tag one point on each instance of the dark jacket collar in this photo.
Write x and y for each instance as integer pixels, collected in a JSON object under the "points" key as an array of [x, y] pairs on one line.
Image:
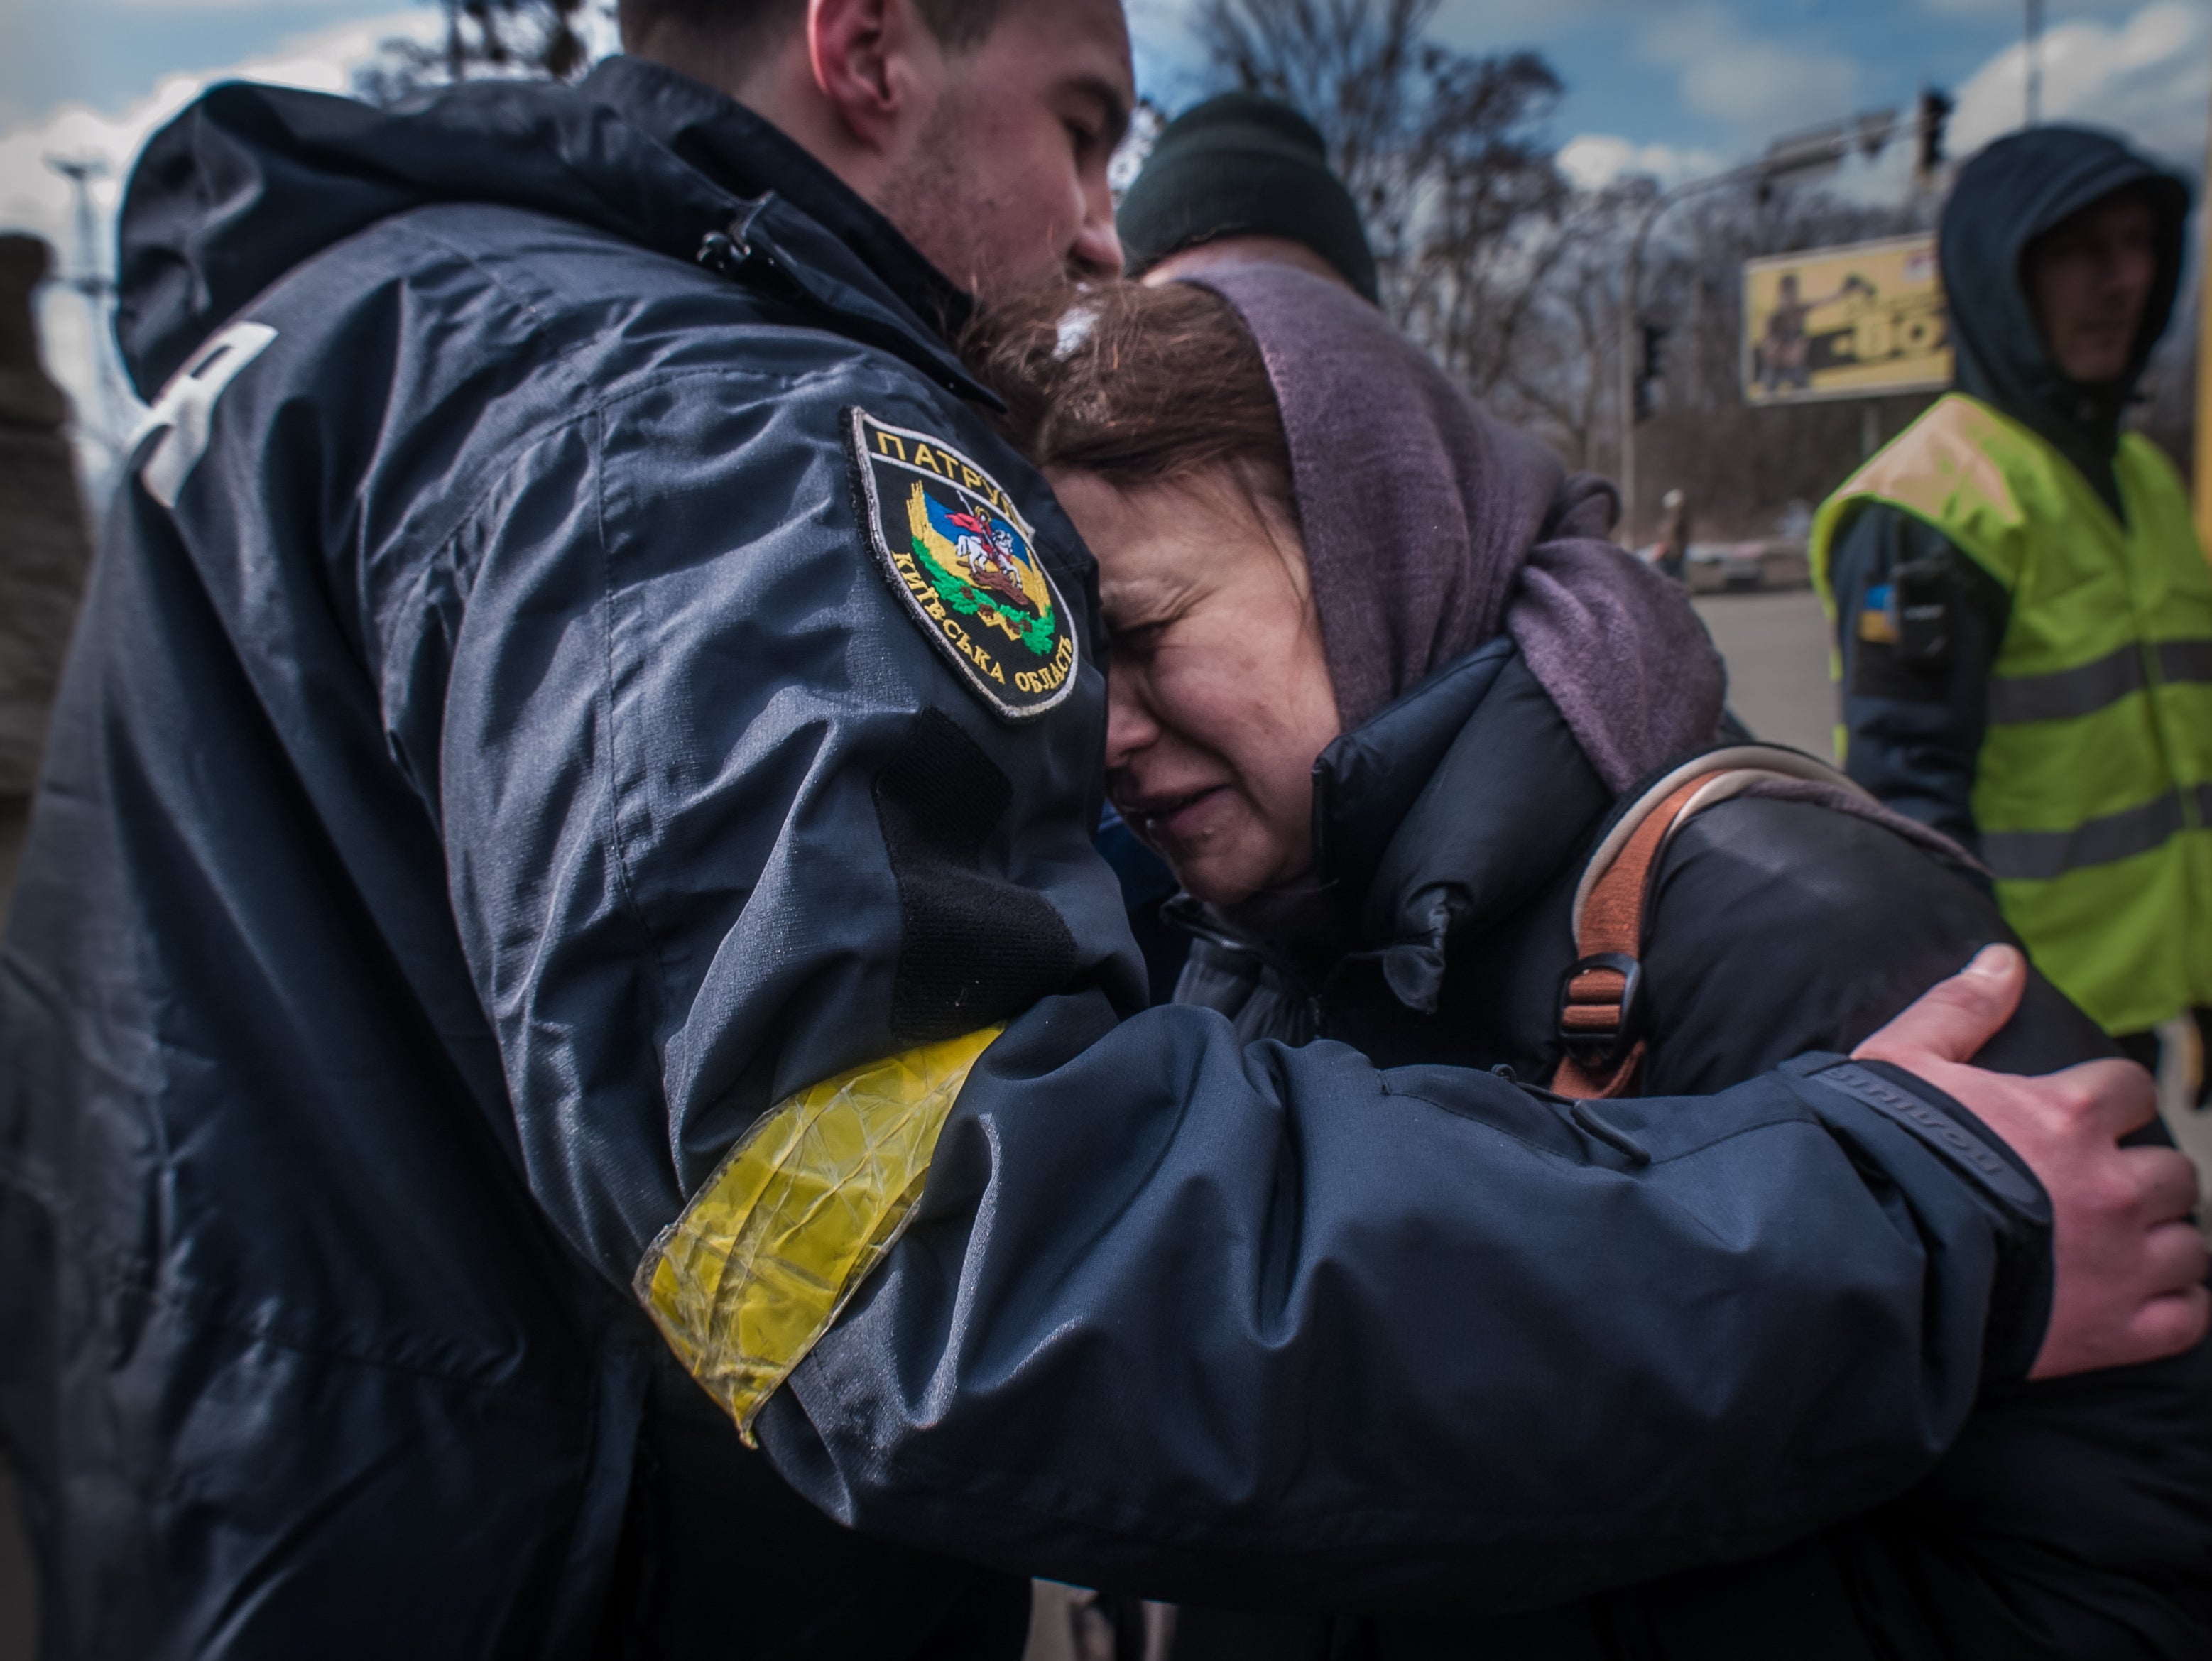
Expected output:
{"points": [[751, 157], [250, 181], [1438, 818]]}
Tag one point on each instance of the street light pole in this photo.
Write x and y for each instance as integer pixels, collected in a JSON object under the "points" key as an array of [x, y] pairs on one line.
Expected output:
{"points": [[2034, 63], [1821, 147], [1632, 278], [95, 289]]}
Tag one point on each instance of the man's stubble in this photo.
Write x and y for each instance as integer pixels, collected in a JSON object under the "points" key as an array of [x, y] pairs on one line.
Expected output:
{"points": [[944, 204]]}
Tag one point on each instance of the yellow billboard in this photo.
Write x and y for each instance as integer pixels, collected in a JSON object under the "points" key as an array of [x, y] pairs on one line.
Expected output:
{"points": [[1849, 322]]}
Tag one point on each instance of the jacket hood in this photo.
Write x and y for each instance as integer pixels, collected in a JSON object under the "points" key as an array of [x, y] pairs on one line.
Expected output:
{"points": [[1450, 810], [1440, 818], [250, 181], [1444, 812], [1431, 526], [2010, 193]]}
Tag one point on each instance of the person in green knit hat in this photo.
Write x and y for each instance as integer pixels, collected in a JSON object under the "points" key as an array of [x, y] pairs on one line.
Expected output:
{"points": [[1238, 179]]}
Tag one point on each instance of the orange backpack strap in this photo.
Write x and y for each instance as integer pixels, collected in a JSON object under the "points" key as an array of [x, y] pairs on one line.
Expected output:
{"points": [[1600, 1002]]}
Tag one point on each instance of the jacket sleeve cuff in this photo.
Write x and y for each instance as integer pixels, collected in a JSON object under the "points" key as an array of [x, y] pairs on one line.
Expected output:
{"points": [[1871, 1099]]}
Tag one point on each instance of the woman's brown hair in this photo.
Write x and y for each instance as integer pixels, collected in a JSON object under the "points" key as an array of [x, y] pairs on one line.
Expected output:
{"points": [[1139, 385]]}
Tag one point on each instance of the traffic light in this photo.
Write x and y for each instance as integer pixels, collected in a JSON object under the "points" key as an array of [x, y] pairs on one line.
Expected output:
{"points": [[1654, 366], [1935, 107]]}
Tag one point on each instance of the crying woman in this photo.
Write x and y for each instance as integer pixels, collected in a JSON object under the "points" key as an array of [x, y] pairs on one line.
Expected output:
{"points": [[1441, 773]]}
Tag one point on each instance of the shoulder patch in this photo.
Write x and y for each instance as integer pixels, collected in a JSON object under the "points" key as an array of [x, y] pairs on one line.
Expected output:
{"points": [[957, 551]]}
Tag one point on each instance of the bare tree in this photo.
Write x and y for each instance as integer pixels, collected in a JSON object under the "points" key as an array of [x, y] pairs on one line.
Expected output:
{"points": [[2166, 412], [513, 38], [1559, 378], [1745, 466], [1346, 64], [1511, 277], [1443, 151], [1485, 210]]}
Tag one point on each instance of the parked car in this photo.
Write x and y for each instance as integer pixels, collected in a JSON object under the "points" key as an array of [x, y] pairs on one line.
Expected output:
{"points": [[1762, 562]]}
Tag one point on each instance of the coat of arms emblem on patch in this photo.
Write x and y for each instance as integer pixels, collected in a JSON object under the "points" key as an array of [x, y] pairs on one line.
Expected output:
{"points": [[958, 551]]}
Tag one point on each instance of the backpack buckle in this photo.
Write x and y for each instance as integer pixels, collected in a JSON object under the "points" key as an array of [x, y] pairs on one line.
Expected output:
{"points": [[1601, 1009]]}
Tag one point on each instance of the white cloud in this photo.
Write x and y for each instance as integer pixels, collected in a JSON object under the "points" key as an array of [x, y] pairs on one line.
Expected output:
{"points": [[2149, 75], [1593, 160], [35, 198], [1756, 83], [229, 5]]}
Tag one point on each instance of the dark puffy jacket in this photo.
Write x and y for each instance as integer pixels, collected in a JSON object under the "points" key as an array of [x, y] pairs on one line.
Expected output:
{"points": [[2074, 1519], [1916, 709], [496, 767]]}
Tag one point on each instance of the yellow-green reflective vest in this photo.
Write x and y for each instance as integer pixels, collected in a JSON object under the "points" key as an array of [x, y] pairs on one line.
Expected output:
{"points": [[2092, 790]]}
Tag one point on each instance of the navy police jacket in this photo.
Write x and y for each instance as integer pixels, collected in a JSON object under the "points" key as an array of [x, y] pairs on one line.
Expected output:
{"points": [[531, 726]]}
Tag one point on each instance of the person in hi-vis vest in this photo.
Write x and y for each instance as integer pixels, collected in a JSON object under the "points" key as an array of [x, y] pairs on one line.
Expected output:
{"points": [[2022, 612]]}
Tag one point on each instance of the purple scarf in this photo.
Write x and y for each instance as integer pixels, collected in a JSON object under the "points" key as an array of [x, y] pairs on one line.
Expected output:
{"points": [[1429, 526]]}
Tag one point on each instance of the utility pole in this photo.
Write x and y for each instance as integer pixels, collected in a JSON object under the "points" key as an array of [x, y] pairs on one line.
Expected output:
{"points": [[2034, 60], [95, 289]]}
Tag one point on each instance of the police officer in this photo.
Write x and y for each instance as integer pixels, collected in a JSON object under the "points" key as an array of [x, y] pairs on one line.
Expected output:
{"points": [[2023, 612], [568, 1086]]}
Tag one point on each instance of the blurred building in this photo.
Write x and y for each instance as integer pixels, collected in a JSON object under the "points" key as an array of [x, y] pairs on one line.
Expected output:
{"points": [[44, 547]]}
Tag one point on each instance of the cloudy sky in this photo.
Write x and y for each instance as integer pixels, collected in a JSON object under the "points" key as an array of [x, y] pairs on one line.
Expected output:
{"points": [[1670, 86]]}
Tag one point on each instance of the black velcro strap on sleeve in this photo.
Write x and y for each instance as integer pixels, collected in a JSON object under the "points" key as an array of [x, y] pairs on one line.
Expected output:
{"points": [[1880, 671], [974, 948], [1946, 1127]]}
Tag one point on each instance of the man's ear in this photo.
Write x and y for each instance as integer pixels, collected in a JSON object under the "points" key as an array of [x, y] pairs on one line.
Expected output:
{"points": [[877, 64]]}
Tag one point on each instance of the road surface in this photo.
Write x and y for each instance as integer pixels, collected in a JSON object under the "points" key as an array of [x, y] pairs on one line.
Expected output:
{"points": [[1776, 647]]}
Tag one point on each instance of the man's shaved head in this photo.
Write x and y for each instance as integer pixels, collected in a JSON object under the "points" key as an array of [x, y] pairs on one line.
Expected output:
{"points": [[744, 26]]}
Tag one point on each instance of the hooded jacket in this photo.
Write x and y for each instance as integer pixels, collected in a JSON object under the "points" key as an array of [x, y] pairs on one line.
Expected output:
{"points": [[2073, 1519], [1915, 713], [501, 761]]}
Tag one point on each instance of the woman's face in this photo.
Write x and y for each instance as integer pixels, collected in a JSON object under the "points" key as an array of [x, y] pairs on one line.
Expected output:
{"points": [[1219, 695]]}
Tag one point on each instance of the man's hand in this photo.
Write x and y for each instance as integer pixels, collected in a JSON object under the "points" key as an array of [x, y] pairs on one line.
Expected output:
{"points": [[2129, 1263]]}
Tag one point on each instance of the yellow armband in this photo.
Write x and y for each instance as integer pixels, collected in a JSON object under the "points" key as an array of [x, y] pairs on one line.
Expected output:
{"points": [[746, 1281]]}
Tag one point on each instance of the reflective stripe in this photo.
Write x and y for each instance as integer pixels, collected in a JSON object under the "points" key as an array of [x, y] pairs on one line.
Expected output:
{"points": [[746, 1281], [2089, 687], [2081, 690], [2115, 910], [2184, 660], [2039, 855], [184, 413]]}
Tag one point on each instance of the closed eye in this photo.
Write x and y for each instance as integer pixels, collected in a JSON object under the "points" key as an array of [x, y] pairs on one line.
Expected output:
{"points": [[1103, 120], [1139, 640]]}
